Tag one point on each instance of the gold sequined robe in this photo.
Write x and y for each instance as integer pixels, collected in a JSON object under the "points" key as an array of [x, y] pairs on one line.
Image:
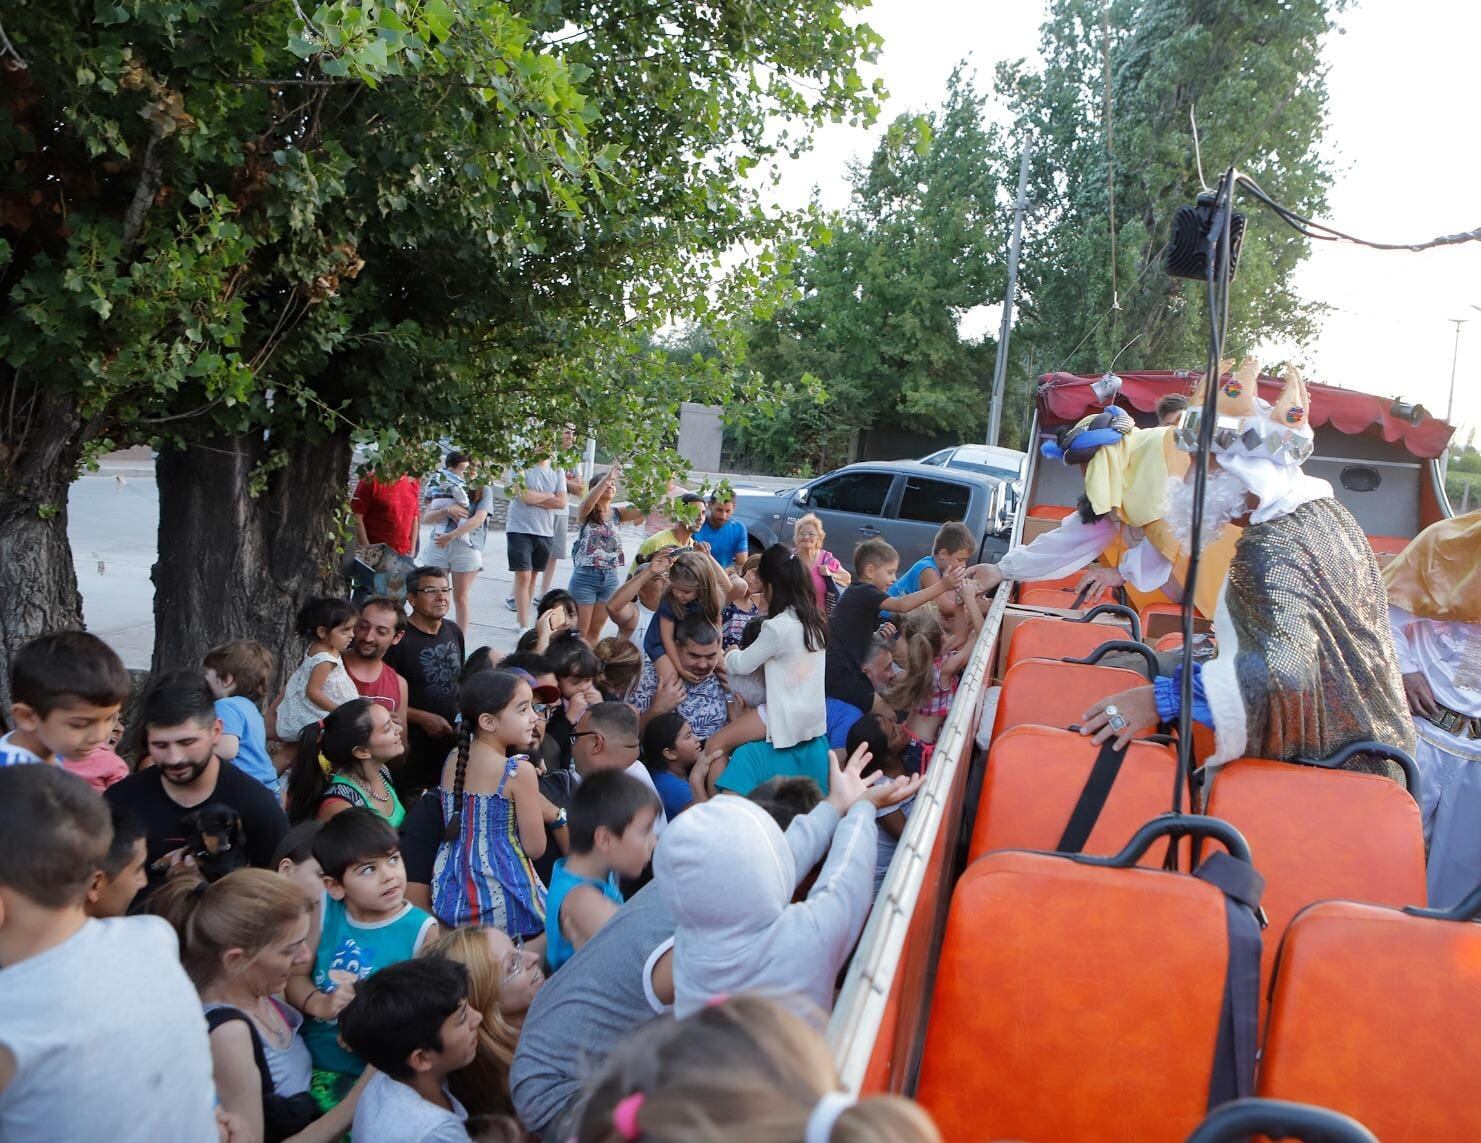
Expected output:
{"points": [[1306, 661]]}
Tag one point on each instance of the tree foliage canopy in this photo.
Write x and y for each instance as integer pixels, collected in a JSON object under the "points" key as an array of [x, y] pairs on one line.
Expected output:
{"points": [[408, 217], [877, 322]]}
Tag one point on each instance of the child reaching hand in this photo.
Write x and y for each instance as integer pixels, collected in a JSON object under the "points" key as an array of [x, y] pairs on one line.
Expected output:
{"points": [[321, 682], [727, 873], [611, 830], [491, 806], [695, 588]]}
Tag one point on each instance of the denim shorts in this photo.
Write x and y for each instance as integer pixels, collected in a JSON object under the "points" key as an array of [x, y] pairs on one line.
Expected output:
{"points": [[594, 585]]}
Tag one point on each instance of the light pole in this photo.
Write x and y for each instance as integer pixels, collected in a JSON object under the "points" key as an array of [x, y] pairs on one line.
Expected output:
{"points": [[1454, 358]]}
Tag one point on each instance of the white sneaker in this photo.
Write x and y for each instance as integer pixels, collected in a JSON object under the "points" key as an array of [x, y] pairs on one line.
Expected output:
{"points": [[509, 603]]}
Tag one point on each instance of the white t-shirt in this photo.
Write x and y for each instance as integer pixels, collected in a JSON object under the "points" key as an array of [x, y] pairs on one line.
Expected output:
{"points": [[391, 1112], [109, 1040], [12, 754]]}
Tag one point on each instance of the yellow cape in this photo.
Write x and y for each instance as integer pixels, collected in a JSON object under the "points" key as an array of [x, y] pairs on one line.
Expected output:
{"points": [[1438, 576], [1130, 479]]}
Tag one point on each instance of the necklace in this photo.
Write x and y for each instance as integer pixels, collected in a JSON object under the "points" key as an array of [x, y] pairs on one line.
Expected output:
{"points": [[274, 1026], [370, 783]]}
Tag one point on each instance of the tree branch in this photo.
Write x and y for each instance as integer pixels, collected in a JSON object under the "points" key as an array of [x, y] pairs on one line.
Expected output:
{"points": [[144, 192], [8, 49]]}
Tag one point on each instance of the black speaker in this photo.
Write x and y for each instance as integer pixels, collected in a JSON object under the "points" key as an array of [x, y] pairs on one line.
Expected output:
{"points": [[1187, 247]]}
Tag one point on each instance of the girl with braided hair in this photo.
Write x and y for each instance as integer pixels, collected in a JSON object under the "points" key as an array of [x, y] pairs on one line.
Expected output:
{"points": [[490, 804]]}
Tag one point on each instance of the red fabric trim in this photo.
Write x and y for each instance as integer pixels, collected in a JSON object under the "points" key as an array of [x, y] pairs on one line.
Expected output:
{"points": [[1066, 397]]}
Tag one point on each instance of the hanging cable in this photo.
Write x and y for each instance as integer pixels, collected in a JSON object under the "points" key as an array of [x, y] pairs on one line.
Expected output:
{"points": [[1105, 47], [1324, 233]]}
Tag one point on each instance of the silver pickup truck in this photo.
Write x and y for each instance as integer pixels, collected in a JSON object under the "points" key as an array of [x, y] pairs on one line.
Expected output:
{"points": [[902, 501]]}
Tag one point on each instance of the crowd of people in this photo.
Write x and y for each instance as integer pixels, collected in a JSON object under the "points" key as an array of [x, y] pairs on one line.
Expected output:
{"points": [[603, 887], [421, 891]]}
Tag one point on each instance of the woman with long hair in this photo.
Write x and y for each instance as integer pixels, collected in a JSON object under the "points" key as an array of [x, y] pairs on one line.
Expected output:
{"points": [[789, 651], [502, 982]]}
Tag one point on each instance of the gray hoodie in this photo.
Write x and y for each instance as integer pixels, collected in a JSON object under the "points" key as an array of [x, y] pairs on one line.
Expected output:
{"points": [[728, 873]]}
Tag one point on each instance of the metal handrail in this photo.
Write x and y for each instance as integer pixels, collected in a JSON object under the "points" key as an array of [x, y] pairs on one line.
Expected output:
{"points": [[859, 1012]]}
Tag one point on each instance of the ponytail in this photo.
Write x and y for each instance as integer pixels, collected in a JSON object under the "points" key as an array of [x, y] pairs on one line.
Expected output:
{"points": [[324, 749], [923, 638], [454, 828], [247, 909], [306, 777]]}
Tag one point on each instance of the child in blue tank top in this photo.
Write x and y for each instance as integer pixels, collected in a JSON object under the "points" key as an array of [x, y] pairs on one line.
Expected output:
{"points": [[367, 923], [611, 835]]}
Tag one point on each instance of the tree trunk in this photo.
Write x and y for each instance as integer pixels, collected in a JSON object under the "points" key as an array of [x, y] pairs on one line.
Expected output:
{"points": [[41, 443], [234, 566]]}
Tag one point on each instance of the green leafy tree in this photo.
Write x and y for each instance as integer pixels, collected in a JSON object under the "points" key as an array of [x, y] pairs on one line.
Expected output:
{"points": [[920, 244], [1252, 71], [253, 233]]}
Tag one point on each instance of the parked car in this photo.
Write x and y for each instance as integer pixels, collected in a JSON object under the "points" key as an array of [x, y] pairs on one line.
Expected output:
{"points": [[903, 501], [1005, 463]]}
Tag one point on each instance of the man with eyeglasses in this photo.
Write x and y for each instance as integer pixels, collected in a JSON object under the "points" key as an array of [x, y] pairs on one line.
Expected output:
{"points": [[430, 658], [606, 738]]}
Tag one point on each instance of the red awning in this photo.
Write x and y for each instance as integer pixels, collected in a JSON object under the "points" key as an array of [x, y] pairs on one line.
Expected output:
{"points": [[1066, 397]]}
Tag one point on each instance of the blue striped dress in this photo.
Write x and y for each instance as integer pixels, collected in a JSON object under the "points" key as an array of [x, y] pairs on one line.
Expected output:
{"points": [[484, 877]]}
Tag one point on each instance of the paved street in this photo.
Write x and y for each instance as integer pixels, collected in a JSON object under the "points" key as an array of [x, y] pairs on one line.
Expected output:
{"points": [[113, 522]]}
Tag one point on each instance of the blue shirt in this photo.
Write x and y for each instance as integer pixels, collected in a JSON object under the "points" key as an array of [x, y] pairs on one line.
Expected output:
{"points": [[725, 543], [1169, 693], [674, 792], [841, 718], [558, 949], [758, 762], [349, 952], [910, 581], [240, 717]]}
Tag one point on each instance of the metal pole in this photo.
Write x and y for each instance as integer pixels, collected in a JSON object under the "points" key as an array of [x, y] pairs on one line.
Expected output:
{"points": [[1000, 366], [1454, 357], [589, 460]]}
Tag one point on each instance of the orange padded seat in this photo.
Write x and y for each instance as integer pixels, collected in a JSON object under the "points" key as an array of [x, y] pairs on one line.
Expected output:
{"points": [[1063, 583], [1075, 1003], [1043, 692], [1051, 511], [1375, 1013], [1321, 835], [1047, 597], [1053, 638], [1034, 778]]}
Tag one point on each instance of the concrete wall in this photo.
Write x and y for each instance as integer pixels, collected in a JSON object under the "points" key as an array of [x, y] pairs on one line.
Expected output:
{"points": [[701, 433]]}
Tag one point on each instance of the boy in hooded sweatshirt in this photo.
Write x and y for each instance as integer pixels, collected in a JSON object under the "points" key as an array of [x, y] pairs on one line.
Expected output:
{"points": [[727, 873]]}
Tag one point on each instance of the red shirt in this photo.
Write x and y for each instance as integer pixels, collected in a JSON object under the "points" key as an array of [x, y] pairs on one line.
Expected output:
{"points": [[388, 510], [385, 689]]}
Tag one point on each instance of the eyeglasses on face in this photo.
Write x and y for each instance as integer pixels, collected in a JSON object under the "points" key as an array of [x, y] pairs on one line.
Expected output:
{"points": [[543, 709], [434, 591], [598, 734]]}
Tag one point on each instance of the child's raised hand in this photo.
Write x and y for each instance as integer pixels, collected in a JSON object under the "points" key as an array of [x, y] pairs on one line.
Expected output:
{"points": [[846, 784], [954, 577], [893, 791]]}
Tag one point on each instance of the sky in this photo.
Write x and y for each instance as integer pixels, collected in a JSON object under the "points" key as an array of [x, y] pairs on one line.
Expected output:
{"points": [[1402, 124]]}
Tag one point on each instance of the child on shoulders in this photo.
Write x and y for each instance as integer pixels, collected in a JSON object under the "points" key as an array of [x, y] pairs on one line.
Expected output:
{"points": [[238, 673], [412, 1022], [696, 587], [321, 682], [366, 924], [611, 832]]}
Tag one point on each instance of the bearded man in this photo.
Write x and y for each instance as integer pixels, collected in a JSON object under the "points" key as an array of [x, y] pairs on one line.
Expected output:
{"points": [[1118, 519], [1305, 662], [1434, 598]]}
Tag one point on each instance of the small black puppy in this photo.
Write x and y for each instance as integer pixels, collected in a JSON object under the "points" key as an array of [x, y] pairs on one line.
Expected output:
{"points": [[215, 838]]}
